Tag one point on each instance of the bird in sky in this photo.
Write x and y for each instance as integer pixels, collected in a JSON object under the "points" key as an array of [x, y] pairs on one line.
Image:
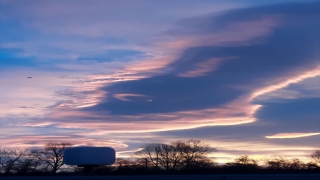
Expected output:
{"points": [[29, 77]]}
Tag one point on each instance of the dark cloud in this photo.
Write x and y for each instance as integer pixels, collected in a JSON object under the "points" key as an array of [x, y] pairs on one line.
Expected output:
{"points": [[26, 107], [217, 21], [168, 94], [291, 46], [293, 115]]}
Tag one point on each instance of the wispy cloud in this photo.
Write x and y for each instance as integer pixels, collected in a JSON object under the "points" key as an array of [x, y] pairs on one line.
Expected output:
{"points": [[202, 68], [124, 97], [314, 72], [104, 77], [41, 140], [291, 135]]}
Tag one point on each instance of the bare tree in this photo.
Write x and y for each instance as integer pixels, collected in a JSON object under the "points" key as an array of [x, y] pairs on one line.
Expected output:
{"points": [[244, 161], [165, 156], [176, 155], [170, 156], [28, 165], [150, 152], [193, 151], [141, 161], [123, 163], [9, 158], [277, 162], [316, 157], [52, 155], [295, 163]]}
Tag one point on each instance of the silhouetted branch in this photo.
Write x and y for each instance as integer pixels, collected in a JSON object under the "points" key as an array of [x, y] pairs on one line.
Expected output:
{"points": [[10, 158]]}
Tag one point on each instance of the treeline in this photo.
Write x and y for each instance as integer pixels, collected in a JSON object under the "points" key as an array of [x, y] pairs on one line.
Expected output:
{"points": [[34, 161], [180, 157]]}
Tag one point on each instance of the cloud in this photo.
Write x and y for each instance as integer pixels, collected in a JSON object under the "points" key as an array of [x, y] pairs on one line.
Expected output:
{"points": [[241, 33], [17, 91], [124, 97], [291, 135], [78, 29], [41, 140], [304, 86], [203, 67], [212, 70], [219, 96], [102, 17], [248, 72], [304, 76]]}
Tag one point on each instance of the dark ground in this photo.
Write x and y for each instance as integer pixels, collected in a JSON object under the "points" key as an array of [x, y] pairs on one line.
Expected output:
{"points": [[176, 177]]}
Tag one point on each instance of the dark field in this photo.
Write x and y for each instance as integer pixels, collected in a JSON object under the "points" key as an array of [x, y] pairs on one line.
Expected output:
{"points": [[176, 177]]}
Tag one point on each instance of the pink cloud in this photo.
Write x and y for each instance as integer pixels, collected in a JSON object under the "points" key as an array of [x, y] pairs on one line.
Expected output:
{"points": [[291, 135], [239, 111], [124, 97], [283, 82], [202, 68], [39, 141], [234, 34]]}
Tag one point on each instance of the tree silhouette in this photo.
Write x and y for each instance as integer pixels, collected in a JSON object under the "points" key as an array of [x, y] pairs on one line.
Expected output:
{"points": [[179, 157], [193, 152], [244, 162], [176, 155], [123, 163], [296, 164], [150, 152], [316, 157], [52, 155], [277, 162], [28, 163], [10, 158]]}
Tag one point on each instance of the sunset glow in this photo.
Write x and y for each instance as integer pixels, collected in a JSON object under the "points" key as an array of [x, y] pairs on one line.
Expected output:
{"points": [[242, 76]]}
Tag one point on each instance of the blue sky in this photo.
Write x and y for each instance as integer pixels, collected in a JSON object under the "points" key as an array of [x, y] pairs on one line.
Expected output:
{"points": [[242, 76]]}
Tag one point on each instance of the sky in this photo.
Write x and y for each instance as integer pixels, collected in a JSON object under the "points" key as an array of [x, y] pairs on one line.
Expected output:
{"points": [[242, 76]]}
